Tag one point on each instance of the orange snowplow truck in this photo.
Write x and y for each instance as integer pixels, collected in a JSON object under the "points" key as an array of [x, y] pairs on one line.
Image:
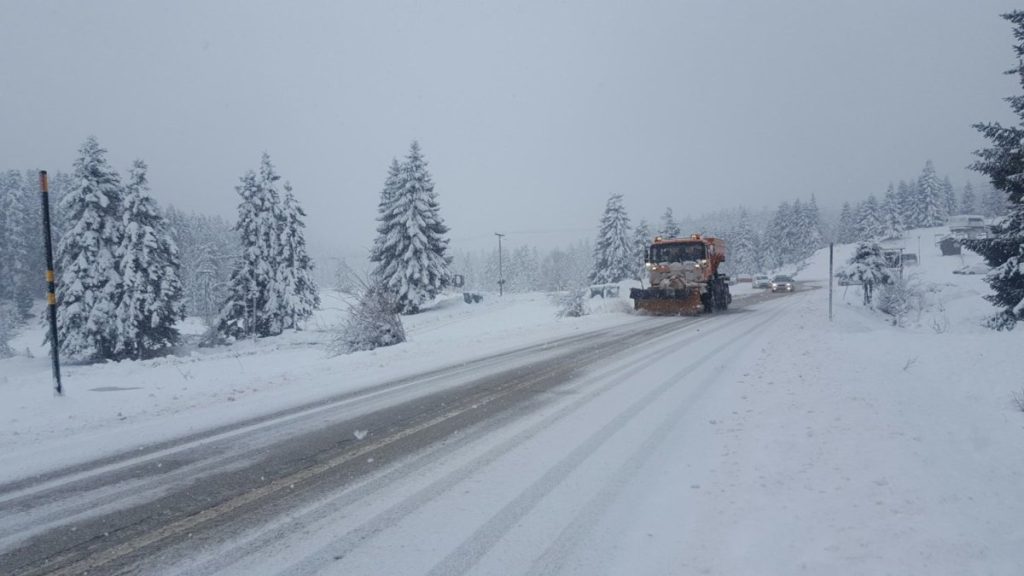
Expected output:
{"points": [[684, 277]]}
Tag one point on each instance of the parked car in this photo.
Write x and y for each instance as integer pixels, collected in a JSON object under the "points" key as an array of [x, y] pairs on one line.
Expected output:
{"points": [[782, 284], [972, 269], [761, 281]]}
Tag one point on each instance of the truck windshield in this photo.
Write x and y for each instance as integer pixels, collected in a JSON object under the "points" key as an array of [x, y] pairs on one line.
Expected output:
{"points": [[689, 252]]}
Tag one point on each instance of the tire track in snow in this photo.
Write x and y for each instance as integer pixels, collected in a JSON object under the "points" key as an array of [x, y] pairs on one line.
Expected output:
{"points": [[559, 551], [471, 551], [394, 514], [91, 550], [166, 467]]}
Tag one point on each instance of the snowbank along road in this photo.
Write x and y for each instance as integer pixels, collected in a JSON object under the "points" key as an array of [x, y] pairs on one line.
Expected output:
{"points": [[519, 463]]}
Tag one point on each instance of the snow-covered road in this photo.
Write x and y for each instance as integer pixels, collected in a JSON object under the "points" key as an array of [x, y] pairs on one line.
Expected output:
{"points": [[475, 419], [543, 492]]}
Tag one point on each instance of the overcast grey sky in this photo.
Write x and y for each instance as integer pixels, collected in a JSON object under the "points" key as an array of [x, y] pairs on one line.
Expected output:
{"points": [[530, 113]]}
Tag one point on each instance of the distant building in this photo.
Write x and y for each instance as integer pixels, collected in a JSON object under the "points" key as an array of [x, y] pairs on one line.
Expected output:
{"points": [[968, 226]]}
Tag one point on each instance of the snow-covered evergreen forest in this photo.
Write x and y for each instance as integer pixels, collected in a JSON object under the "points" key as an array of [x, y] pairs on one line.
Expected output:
{"points": [[255, 276], [123, 283]]}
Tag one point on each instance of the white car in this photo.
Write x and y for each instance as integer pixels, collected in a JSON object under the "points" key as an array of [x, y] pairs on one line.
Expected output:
{"points": [[761, 281]]}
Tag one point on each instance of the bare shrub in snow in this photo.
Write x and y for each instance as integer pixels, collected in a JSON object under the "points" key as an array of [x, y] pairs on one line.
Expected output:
{"points": [[373, 322], [898, 299], [940, 325], [910, 363], [1018, 399], [573, 304]]}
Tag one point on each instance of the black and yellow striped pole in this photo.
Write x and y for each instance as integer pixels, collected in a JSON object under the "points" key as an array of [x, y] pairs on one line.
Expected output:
{"points": [[51, 290]]}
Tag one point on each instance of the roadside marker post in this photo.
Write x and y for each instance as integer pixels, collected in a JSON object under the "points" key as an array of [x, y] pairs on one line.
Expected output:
{"points": [[51, 284], [831, 249]]}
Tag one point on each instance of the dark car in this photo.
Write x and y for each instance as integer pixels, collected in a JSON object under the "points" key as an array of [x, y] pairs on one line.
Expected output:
{"points": [[782, 284]]}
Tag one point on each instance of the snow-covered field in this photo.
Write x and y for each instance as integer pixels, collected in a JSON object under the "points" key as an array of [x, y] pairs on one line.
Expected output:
{"points": [[845, 447]]}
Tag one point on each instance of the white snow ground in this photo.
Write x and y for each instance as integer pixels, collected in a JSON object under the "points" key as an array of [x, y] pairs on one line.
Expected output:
{"points": [[850, 447]]}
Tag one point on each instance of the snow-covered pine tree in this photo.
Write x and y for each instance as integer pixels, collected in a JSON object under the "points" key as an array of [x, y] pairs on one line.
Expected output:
{"points": [[870, 224], [411, 250], [669, 226], [930, 205], [151, 301], [252, 306], [392, 185], [968, 201], [806, 234], [892, 220], [89, 286], [16, 249], [906, 196], [949, 205], [8, 327], [299, 295], [846, 231], [613, 252], [207, 247], [779, 249], [642, 238], [1003, 163], [524, 270], [744, 254]]}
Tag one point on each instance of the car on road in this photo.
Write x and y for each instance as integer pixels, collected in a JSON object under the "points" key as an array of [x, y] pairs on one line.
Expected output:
{"points": [[761, 281], [782, 283]]}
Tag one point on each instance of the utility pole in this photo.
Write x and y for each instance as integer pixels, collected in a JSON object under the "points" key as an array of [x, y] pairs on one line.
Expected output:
{"points": [[51, 290], [501, 278]]}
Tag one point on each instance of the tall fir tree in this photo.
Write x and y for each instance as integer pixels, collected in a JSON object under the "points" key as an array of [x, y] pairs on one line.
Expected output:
{"points": [[411, 250], [1003, 163], [744, 255], [253, 303], [968, 201], [387, 194], [949, 203], [613, 252], [669, 226], [298, 293], [870, 224], [642, 238], [807, 236], [892, 219], [151, 300], [16, 255], [89, 284], [930, 204], [906, 196], [779, 235], [846, 231]]}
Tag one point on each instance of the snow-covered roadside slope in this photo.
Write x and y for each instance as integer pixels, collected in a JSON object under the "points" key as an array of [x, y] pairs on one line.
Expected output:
{"points": [[113, 406], [848, 447]]}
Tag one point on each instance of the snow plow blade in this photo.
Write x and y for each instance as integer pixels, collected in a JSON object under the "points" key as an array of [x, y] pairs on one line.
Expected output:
{"points": [[667, 302]]}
